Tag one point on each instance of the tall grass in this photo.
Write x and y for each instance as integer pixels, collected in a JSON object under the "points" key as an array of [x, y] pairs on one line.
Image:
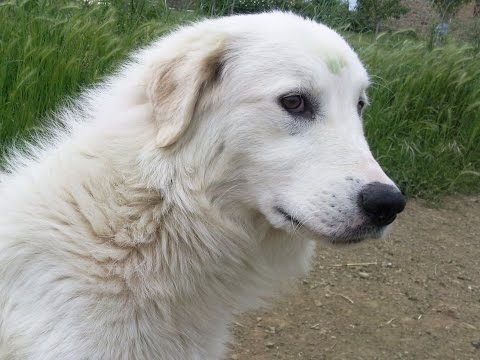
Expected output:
{"points": [[423, 124], [424, 121], [50, 49]]}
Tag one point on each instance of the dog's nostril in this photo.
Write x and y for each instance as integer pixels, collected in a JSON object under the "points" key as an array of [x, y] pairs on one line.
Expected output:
{"points": [[381, 202]]}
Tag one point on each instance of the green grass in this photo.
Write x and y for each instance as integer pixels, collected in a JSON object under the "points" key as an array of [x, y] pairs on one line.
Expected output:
{"points": [[423, 124], [424, 121], [50, 50]]}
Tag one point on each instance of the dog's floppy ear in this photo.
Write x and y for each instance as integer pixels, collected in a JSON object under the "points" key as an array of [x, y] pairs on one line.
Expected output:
{"points": [[177, 82]]}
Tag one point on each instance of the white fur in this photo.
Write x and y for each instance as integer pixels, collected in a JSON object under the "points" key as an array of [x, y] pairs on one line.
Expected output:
{"points": [[148, 219]]}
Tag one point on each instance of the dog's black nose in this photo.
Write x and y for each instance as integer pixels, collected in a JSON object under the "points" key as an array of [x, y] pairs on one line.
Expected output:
{"points": [[381, 202]]}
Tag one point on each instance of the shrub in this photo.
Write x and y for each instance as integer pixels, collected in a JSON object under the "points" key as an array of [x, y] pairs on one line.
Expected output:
{"points": [[369, 14], [330, 12]]}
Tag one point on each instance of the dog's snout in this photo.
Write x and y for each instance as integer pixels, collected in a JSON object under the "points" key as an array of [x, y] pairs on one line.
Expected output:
{"points": [[381, 202]]}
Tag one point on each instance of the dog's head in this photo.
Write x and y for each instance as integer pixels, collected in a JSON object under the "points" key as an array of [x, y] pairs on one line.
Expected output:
{"points": [[268, 108]]}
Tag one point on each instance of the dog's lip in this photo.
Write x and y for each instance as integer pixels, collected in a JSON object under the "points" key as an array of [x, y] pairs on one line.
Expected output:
{"points": [[353, 236], [349, 236], [288, 216]]}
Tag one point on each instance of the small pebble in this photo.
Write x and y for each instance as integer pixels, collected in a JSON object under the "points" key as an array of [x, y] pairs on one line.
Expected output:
{"points": [[364, 275]]}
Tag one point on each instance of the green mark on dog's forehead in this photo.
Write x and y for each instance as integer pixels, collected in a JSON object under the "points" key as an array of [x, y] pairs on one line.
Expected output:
{"points": [[335, 64]]}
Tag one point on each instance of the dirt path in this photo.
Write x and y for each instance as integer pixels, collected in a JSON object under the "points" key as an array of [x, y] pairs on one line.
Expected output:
{"points": [[416, 297]]}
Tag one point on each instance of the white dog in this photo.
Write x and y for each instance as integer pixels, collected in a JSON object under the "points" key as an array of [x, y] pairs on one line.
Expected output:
{"points": [[185, 189]]}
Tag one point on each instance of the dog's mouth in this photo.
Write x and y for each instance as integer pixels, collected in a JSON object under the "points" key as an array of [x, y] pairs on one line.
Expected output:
{"points": [[348, 235]]}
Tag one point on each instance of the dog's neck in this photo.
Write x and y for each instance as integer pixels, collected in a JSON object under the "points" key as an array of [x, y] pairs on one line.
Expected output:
{"points": [[164, 232], [162, 242]]}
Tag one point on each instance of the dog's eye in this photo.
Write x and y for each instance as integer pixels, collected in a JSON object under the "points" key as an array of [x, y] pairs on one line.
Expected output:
{"points": [[293, 103], [360, 105]]}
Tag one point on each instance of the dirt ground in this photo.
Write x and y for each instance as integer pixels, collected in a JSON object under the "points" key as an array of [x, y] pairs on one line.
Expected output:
{"points": [[414, 295]]}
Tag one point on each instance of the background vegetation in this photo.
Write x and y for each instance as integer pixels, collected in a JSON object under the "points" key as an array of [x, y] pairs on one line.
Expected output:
{"points": [[423, 124]]}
